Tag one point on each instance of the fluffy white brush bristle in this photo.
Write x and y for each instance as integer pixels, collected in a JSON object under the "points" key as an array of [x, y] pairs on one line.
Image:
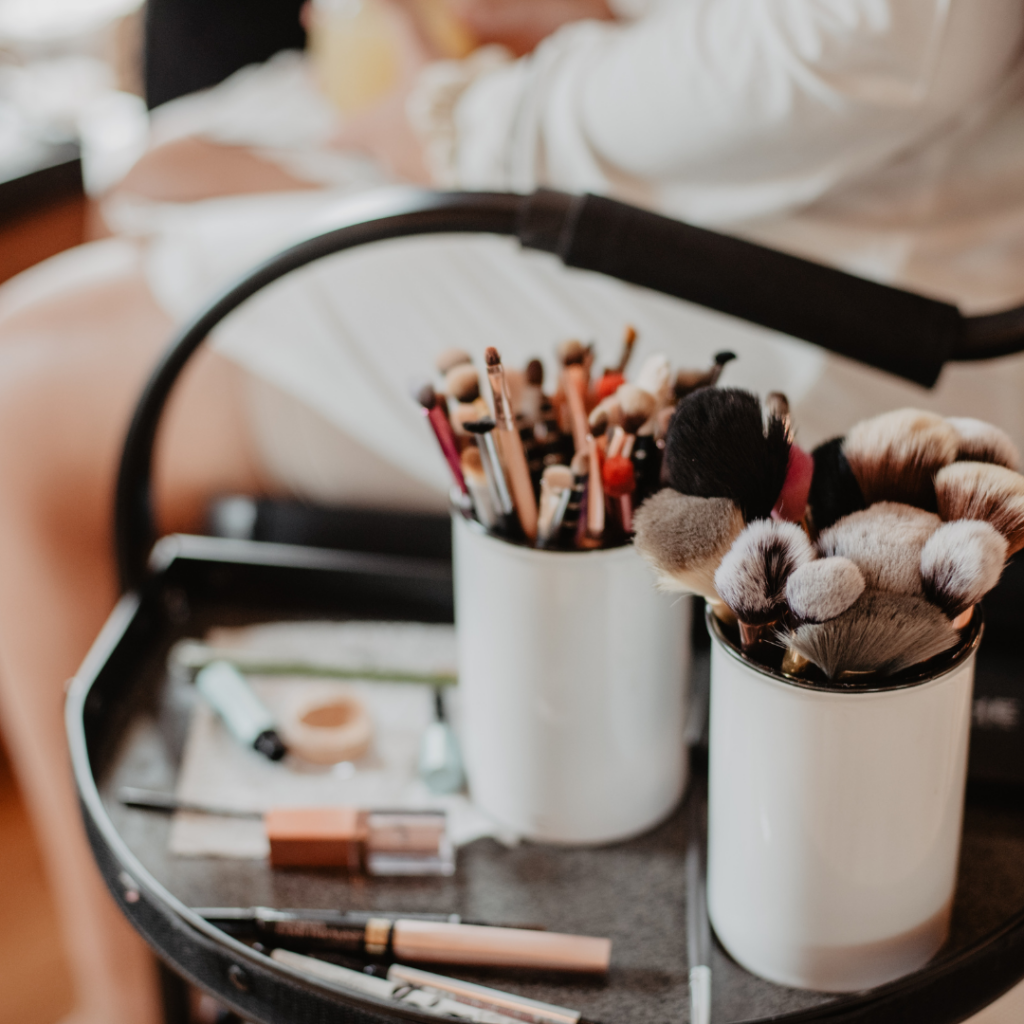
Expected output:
{"points": [[980, 490], [684, 539], [752, 576], [961, 563], [885, 542], [982, 442], [880, 633], [894, 456], [822, 589]]}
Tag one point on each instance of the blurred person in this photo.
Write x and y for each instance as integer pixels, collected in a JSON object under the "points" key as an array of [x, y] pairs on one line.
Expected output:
{"points": [[882, 136]]}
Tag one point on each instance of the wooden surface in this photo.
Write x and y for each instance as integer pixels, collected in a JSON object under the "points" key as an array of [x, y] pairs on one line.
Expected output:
{"points": [[41, 234], [35, 986]]}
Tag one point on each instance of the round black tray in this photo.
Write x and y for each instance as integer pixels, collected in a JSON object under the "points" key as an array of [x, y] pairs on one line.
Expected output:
{"points": [[126, 718]]}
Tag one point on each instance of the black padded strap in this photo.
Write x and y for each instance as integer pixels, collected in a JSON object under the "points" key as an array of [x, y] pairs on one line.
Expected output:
{"points": [[890, 329]]}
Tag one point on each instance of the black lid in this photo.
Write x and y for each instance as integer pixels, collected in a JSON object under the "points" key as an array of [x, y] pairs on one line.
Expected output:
{"points": [[271, 745]]}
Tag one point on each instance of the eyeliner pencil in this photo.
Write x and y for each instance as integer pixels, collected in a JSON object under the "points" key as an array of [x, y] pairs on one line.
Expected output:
{"points": [[698, 928]]}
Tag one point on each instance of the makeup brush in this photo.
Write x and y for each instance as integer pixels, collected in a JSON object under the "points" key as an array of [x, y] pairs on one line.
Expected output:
{"points": [[555, 491], [880, 633], [572, 352], [530, 406], [574, 388], [619, 482], [497, 485], [511, 447], [450, 358], [462, 384], [684, 538], [961, 562], [637, 406], [718, 447], [655, 377], [834, 491], [820, 590], [689, 380], [595, 492], [885, 542], [982, 442], [479, 490], [605, 415], [628, 343], [580, 469], [895, 456], [427, 398], [752, 576], [980, 490]]}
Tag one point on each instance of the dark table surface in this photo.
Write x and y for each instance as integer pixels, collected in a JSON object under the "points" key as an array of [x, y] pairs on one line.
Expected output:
{"points": [[634, 891]]}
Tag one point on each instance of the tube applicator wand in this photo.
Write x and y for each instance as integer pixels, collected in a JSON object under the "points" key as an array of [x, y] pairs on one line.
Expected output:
{"points": [[511, 446]]}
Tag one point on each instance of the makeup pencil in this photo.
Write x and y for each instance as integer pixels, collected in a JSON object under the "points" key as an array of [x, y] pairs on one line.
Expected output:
{"points": [[511, 447], [427, 398]]}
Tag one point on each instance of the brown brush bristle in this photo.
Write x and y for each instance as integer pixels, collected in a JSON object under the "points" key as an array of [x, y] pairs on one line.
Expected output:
{"points": [[535, 373], [637, 406], [981, 490], [472, 463], [895, 456], [491, 356], [983, 442], [450, 358], [426, 396], [572, 352], [463, 383]]}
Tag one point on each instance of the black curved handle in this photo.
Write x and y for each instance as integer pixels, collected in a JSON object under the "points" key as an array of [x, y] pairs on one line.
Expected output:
{"points": [[890, 329]]}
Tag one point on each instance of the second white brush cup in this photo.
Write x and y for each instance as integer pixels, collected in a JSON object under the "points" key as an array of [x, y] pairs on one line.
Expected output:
{"points": [[834, 819], [573, 683]]}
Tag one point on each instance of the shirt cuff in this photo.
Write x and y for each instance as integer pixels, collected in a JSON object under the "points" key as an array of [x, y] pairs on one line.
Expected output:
{"points": [[431, 105]]}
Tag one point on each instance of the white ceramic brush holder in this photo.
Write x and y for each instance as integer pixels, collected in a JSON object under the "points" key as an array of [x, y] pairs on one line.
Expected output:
{"points": [[834, 819], [573, 684]]}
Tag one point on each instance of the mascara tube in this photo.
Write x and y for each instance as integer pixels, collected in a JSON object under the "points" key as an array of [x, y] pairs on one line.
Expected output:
{"points": [[244, 714]]}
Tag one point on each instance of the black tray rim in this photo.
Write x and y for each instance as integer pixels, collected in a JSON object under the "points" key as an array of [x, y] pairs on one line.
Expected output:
{"points": [[961, 984]]}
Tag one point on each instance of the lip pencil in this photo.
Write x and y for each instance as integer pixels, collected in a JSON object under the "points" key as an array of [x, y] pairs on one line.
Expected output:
{"points": [[511, 445]]}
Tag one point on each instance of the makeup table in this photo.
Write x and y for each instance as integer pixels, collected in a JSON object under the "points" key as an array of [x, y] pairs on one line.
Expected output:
{"points": [[127, 722]]}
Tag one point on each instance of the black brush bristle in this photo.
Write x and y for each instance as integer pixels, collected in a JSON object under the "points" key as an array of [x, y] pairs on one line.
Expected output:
{"points": [[834, 489], [718, 447]]}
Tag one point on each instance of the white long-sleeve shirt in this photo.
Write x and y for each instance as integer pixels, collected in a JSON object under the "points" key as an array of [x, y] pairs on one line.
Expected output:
{"points": [[838, 128], [885, 136]]}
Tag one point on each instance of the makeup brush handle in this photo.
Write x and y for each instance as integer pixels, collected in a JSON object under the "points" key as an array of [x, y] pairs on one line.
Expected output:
{"points": [[511, 448], [595, 492], [446, 439]]}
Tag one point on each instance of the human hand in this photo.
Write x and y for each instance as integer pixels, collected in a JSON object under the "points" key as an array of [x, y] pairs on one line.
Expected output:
{"points": [[522, 24]]}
